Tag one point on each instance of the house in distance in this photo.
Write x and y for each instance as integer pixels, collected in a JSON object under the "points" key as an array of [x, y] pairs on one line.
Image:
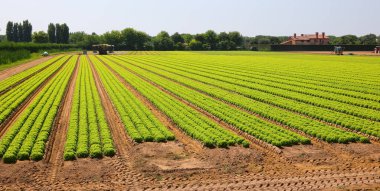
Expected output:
{"points": [[308, 39]]}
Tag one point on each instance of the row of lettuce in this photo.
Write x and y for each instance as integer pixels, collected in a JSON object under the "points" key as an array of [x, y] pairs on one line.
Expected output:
{"points": [[10, 100], [88, 133], [263, 98], [27, 137]]}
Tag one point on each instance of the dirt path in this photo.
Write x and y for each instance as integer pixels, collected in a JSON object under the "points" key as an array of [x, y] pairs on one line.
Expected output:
{"points": [[17, 69], [56, 144], [14, 116]]}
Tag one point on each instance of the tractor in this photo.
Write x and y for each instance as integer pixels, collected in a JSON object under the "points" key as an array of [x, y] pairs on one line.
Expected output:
{"points": [[103, 48]]}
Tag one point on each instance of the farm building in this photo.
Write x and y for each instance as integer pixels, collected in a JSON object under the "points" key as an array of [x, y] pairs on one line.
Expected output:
{"points": [[308, 39]]}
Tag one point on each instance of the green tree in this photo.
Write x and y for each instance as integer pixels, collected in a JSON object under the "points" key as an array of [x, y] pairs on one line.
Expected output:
{"points": [[195, 45], [163, 41], [211, 38], [76, 37], [349, 40], [26, 31], [51, 33], [177, 38], [129, 38], [187, 37], [20, 35], [40, 37], [9, 31], [65, 32], [369, 39], [58, 33], [113, 37], [236, 38]]}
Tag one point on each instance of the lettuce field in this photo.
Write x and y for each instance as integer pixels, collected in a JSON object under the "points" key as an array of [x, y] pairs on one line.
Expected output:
{"points": [[301, 109]]}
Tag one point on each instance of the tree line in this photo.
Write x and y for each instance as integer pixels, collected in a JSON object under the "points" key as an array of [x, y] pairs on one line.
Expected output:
{"points": [[22, 32], [19, 32], [131, 39]]}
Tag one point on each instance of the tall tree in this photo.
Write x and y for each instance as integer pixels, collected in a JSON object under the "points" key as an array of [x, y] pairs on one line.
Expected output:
{"points": [[20, 29], [51, 33], [65, 33], [58, 33], [27, 31], [15, 33], [9, 31]]}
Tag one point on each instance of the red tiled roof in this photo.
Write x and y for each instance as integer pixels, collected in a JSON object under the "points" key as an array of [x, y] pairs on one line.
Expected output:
{"points": [[308, 37]]}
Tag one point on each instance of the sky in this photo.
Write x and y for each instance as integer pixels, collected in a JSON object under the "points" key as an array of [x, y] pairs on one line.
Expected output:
{"points": [[250, 17]]}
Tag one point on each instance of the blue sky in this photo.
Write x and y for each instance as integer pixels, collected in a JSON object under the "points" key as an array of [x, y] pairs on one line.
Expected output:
{"points": [[250, 17]]}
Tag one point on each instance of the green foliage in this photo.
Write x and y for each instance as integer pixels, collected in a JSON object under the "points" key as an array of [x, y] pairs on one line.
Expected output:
{"points": [[7, 57], [40, 37]]}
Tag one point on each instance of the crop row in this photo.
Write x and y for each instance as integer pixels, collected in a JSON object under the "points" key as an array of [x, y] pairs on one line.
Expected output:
{"points": [[309, 126], [17, 95], [252, 68], [190, 121], [27, 137], [250, 124], [19, 76], [88, 132], [271, 84], [139, 121], [331, 116]]}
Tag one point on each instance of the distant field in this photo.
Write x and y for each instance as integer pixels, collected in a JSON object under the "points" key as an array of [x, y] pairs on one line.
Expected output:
{"points": [[71, 107]]}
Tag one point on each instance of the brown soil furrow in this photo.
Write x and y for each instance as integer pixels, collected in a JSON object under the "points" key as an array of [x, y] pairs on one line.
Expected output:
{"points": [[195, 146], [13, 117], [26, 78], [56, 143], [121, 140], [208, 115], [17, 69]]}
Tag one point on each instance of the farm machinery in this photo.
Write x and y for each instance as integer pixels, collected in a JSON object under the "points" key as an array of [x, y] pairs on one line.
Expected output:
{"points": [[103, 48], [377, 50], [338, 50]]}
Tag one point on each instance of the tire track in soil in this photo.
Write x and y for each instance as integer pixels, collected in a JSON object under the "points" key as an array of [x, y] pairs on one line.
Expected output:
{"points": [[123, 173], [27, 77], [14, 116], [56, 143], [258, 144], [193, 145]]}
